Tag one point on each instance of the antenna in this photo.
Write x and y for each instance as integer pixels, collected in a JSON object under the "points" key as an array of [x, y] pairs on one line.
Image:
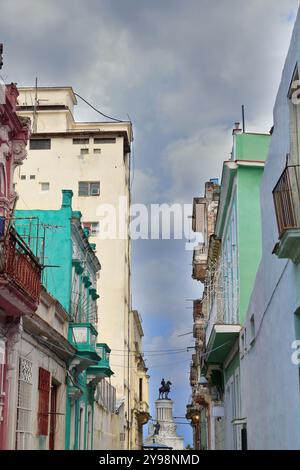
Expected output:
{"points": [[243, 118]]}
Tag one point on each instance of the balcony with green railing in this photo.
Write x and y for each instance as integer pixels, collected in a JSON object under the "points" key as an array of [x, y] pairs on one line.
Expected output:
{"points": [[100, 370]]}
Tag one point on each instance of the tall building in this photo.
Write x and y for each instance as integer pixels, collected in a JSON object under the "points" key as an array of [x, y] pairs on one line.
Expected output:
{"points": [[233, 255], [203, 222], [270, 358], [93, 160], [20, 271]]}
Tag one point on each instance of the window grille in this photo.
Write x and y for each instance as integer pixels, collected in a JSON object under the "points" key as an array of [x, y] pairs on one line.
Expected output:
{"points": [[24, 401]]}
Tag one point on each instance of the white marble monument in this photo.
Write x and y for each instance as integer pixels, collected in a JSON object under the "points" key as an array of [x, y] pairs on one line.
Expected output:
{"points": [[163, 432]]}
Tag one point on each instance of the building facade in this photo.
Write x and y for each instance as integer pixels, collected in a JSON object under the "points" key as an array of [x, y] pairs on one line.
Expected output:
{"points": [[41, 353], [139, 383], [203, 222], [92, 159], [63, 246], [271, 334], [20, 271], [233, 255]]}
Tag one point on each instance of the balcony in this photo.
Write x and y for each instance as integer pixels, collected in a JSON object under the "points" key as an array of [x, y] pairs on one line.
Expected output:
{"points": [[286, 196], [83, 336], [221, 333], [197, 310], [100, 370], [20, 276], [193, 375], [143, 414], [199, 330], [199, 263]]}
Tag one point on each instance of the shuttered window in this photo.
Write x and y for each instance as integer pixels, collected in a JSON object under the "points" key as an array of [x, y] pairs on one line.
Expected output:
{"points": [[44, 393]]}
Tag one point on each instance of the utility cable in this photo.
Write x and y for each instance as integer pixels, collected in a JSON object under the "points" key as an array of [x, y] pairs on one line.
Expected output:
{"points": [[97, 110]]}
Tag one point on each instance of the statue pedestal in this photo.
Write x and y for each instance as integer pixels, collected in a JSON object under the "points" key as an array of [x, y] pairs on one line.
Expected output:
{"points": [[167, 434]]}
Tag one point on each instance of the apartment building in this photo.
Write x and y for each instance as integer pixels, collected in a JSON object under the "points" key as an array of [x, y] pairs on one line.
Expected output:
{"points": [[93, 160]]}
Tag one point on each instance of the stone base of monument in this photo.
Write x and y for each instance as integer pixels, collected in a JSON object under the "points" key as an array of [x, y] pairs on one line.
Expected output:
{"points": [[167, 433]]}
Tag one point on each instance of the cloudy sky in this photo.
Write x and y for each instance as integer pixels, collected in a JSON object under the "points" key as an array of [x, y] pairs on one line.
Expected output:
{"points": [[181, 70]]}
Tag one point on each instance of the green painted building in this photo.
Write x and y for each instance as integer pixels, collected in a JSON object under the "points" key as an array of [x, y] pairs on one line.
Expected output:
{"points": [[70, 271], [234, 256]]}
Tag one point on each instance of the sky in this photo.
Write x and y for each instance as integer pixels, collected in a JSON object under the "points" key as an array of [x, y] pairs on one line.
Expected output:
{"points": [[180, 71]]}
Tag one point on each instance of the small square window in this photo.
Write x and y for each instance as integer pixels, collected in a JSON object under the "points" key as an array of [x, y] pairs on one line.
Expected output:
{"points": [[84, 151], [14, 186], [94, 189], [23, 177], [97, 150], [45, 186], [32, 177]]}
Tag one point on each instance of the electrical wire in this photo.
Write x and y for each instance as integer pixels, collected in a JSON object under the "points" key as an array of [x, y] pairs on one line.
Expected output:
{"points": [[97, 110]]}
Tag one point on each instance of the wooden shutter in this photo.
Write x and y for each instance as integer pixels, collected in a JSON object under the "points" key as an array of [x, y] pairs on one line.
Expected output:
{"points": [[44, 392]]}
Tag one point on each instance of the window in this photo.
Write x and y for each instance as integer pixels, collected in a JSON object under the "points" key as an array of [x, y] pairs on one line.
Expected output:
{"points": [[252, 329], [24, 403], [141, 389], [84, 151], [104, 140], [87, 188], [32, 177], [14, 186], [93, 228], [81, 141], [44, 394], [23, 177], [80, 429], [40, 144], [45, 186], [97, 150]]}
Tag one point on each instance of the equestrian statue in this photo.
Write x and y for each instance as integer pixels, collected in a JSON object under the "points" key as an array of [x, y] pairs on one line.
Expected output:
{"points": [[164, 390]]}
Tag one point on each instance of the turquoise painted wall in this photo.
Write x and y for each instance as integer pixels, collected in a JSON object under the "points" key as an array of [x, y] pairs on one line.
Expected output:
{"points": [[58, 248], [253, 147]]}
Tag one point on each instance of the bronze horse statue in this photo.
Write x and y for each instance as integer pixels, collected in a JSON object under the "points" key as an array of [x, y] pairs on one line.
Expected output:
{"points": [[164, 390]]}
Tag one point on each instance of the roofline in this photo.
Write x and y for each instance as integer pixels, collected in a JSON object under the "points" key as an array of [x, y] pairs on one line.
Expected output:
{"points": [[67, 87]]}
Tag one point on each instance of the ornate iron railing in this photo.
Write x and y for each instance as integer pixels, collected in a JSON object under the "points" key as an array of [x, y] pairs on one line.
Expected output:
{"points": [[286, 196], [21, 266]]}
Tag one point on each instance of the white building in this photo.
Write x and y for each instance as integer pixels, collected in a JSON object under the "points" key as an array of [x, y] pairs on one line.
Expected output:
{"points": [[93, 160], [37, 381], [269, 372]]}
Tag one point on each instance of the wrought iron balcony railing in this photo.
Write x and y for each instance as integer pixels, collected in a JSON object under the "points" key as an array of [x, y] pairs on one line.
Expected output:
{"points": [[20, 271], [286, 195]]}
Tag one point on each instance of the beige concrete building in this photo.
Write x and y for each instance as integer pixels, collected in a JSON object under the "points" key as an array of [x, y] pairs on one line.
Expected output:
{"points": [[139, 383], [93, 160]]}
